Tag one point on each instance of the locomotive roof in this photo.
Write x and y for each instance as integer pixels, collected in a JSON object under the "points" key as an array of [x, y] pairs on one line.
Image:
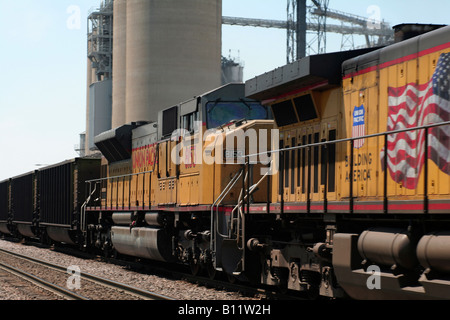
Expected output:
{"points": [[398, 52], [306, 72]]}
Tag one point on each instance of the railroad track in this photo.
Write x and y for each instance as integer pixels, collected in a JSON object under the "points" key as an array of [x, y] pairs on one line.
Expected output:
{"points": [[219, 283], [177, 272], [46, 285], [90, 287]]}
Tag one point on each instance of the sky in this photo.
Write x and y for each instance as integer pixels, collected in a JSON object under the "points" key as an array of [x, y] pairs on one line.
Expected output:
{"points": [[43, 65]]}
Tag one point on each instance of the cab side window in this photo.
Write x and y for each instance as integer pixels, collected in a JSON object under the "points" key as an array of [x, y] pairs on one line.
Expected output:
{"points": [[188, 122]]}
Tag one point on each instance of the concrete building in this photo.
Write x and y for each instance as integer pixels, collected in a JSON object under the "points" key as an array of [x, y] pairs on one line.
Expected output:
{"points": [[173, 51], [162, 52]]}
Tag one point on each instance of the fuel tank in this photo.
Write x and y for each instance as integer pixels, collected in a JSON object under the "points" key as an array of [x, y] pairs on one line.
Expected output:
{"points": [[433, 251], [386, 246], [149, 243]]}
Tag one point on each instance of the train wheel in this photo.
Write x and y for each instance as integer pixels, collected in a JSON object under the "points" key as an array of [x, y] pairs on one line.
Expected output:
{"points": [[231, 279], [212, 272], [107, 252], [195, 267]]}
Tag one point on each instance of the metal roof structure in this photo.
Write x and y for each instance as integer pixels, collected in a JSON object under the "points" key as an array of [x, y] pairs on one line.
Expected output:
{"points": [[313, 16]]}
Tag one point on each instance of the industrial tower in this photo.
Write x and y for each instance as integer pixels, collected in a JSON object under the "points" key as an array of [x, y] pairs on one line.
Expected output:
{"points": [[312, 18]]}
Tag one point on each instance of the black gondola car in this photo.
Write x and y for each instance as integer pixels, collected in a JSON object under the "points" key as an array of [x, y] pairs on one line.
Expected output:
{"points": [[5, 218], [24, 204], [62, 192]]}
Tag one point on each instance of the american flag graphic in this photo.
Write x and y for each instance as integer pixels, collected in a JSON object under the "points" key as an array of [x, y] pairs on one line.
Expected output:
{"points": [[412, 106], [359, 126]]}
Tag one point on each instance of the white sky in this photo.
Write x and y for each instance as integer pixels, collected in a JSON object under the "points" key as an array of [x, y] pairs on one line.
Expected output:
{"points": [[43, 65]]}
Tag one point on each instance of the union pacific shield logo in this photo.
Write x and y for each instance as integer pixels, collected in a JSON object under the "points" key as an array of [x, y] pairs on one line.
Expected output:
{"points": [[359, 126]]}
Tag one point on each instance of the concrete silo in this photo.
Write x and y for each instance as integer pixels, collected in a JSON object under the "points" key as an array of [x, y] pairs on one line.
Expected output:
{"points": [[173, 52], [119, 63]]}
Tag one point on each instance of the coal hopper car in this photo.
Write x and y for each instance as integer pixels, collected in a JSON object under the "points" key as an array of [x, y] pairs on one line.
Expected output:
{"points": [[61, 196]]}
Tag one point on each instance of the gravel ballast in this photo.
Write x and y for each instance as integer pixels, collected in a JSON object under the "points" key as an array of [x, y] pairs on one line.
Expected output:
{"points": [[177, 289]]}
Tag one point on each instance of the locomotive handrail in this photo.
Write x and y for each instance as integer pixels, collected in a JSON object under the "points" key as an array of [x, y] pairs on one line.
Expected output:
{"points": [[121, 176], [316, 144], [83, 207], [242, 202], [99, 180], [351, 185], [214, 218]]}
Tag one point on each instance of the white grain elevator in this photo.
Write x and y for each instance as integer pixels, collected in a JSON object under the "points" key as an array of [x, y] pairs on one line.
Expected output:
{"points": [[163, 52]]}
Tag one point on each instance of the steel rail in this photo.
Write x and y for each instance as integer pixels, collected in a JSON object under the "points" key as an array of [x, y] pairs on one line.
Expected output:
{"points": [[143, 294], [63, 292]]}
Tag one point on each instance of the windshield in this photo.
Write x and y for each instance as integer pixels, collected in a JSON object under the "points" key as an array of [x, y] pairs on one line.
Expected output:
{"points": [[220, 113]]}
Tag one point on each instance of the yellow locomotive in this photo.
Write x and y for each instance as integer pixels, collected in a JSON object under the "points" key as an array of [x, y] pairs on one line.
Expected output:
{"points": [[164, 178], [369, 155]]}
